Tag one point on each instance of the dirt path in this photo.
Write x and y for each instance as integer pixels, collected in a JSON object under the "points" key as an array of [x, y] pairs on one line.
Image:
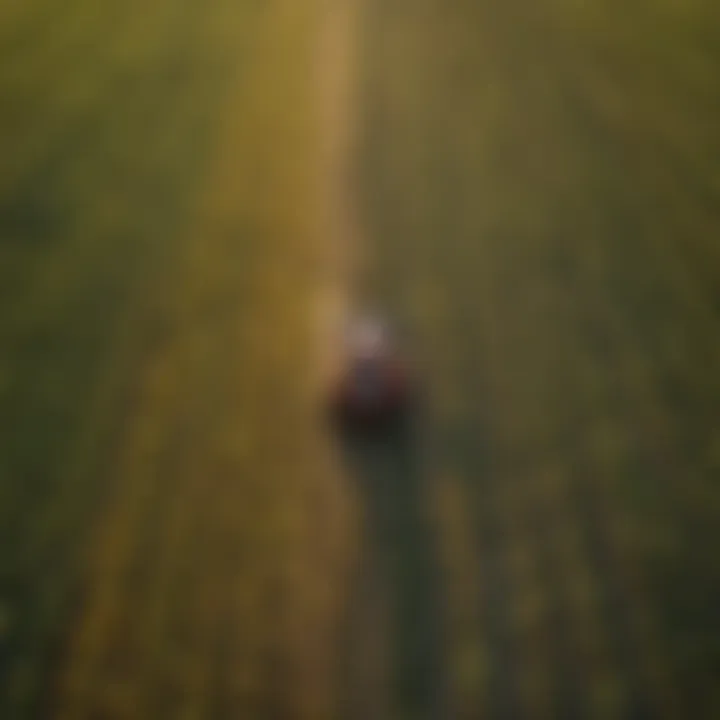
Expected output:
{"points": [[362, 682], [341, 232], [392, 660]]}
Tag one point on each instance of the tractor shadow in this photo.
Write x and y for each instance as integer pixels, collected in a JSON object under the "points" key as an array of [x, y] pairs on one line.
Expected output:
{"points": [[398, 564]]}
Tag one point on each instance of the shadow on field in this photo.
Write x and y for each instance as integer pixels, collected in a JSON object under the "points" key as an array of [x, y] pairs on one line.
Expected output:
{"points": [[395, 605]]}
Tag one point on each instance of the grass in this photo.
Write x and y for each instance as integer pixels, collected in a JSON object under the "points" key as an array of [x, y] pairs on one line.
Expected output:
{"points": [[540, 183], [537, 184], [159, 201], [73, 225]]}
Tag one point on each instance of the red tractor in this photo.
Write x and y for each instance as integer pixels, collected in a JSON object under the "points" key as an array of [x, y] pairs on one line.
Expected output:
{"points": [[374, 388]]}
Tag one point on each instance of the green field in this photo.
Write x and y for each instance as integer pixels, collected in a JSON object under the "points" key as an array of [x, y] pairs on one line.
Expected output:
{"points": [[536, 188], [540, 181]]}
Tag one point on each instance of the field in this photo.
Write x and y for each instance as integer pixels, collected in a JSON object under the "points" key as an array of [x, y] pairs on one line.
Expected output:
{"points": [[188, 191], [540, 182]]}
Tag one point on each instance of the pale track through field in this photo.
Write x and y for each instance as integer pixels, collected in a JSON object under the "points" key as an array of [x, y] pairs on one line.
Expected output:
{"points": [[392, 646], [362, 681]]}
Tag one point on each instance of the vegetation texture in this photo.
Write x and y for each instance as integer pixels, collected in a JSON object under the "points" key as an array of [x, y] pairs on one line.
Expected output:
{"points": [[532, 187]]}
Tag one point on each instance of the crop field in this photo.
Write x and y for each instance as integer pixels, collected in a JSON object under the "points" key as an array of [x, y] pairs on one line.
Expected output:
{"points": [[169, 535], [540, 183], [530, 187]]}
